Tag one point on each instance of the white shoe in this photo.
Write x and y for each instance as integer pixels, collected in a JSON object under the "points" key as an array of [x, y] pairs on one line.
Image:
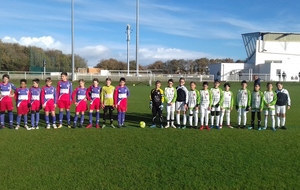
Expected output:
{"points": [[48, 126], [173, 126], [28, 128], [167, 126], [54, 126], [17, 127], [32, 128], [37, 127]]}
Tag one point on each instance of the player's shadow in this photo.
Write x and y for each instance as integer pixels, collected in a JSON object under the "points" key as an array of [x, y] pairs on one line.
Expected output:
{"points": [[136, 118]]}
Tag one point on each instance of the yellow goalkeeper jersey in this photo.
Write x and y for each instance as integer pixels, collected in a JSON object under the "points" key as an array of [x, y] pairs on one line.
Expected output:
{"points": [[107, 95]]}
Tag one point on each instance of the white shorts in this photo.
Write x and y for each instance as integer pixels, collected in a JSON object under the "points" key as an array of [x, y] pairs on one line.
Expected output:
{"points": [[269, 112], [280, 109], [192, 111], [215, 108], [203, 109], [170, 108], [180, 106]]}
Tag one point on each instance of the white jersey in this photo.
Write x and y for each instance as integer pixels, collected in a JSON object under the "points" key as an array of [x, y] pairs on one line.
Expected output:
{"points": [[270, 98], [170, 94], [205, 98], [216, 95], [243, 98], [228, 99], [193, 98]]}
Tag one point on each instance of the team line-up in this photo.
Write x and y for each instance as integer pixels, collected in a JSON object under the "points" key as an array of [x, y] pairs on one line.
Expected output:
{"points": [[48, 97], [214, 101], [218, 103]]}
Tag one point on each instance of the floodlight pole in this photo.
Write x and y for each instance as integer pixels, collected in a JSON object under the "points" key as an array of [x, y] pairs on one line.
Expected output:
{"points": [[137, 39], [128, 42], [72, 15]]}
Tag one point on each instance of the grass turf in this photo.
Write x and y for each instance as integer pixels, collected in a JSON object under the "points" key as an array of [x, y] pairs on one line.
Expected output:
{"points": [[134, 158]]}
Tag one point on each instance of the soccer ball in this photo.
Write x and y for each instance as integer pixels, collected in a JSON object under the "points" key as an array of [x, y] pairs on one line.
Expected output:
{"points": [[142, 124]]}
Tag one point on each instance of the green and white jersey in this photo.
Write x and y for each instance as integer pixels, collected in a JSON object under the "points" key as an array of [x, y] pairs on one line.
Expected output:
{"points": [[257, 100], [205, 98], [270, 97], [243, 98], [228, 100], [170, 94], [217, 96], [193, 98]]}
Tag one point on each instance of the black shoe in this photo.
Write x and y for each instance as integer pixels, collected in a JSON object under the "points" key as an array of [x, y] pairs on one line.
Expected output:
{"points": [[74, 126], [283, 127], [11, 127], [244, 127], [238, 126], [276, 127], [80, 126], [119, 126]]}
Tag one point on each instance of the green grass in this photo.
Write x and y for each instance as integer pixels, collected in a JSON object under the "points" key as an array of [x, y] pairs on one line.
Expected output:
{"points": [[135, 158]]}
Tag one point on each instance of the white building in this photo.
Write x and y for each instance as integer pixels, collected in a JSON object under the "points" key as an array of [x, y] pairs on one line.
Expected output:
{"points": [[271, 55]]}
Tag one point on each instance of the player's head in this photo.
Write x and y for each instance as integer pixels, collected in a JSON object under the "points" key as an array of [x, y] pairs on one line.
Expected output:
{"points": [[5, 78], [181, 81], [48, 81], [269, 86], [256, 87], [95, 82], [216, 83], [35, 82], [193, 85], [170, 82], [279, 85], [122, 81], [205, 85], [108, 81], [157, 84], [81, 82], [64, 76], [227, 86], [244, 84], [23, 83]]}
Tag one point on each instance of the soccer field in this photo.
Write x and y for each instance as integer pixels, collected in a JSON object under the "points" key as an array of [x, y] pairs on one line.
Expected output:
{"points": [[136, 158]]}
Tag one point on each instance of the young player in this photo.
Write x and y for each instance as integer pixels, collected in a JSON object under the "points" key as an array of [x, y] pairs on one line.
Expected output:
{"points": [[283, 100], [64, 98], [120, 99], [93, 95], [35, 103], [269, 99], [48, 101], [6, 103], [226, 105], [107, 102], [205, 105], [22, 97], [217, 99], [193, 105], [256, 106], [79, 99], [181, 102], [156, 104], [170, 95], [243, 101]]}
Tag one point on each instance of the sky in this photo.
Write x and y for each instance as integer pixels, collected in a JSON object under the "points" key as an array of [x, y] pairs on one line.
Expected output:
{"points": [[169, 29]]}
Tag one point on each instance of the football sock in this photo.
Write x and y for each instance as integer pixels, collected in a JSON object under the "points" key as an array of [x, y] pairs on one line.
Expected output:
{"points": [[60, 117], [119, 118], [68, 116], [97, 117], [217, 120], [273, 121], [184, 119], [47, 119], [178, 118], [228, 118], [196, 117], [206, 118], [212, 120], [266, 121], [2, 119], [245, 117], [11, 117], [278, 121], [32, 119], [283, 121], [18, 119], [191, 119], [123, 118], [37, 118], [91, 117], [82, 119], [54, 119], [25, 119], [75, 118], [221, 117]]}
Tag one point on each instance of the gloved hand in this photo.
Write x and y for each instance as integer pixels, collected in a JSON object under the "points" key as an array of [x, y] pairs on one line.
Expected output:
{"points": [[161, 107], [217, 105], [150, 105], [41, 107], [237, 107], [29, 105], [247, 108]]}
